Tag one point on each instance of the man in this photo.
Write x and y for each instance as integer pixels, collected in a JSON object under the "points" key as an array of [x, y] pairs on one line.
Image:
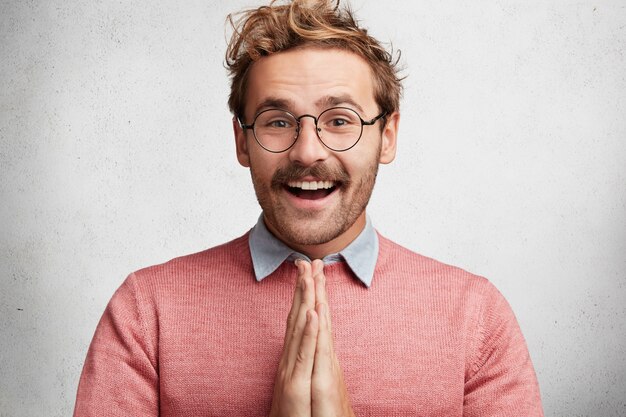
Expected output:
{"points": [[224, 333]]}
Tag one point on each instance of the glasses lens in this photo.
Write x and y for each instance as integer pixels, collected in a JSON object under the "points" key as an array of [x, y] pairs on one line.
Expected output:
{"points": [[339, 128], [276, 130]]}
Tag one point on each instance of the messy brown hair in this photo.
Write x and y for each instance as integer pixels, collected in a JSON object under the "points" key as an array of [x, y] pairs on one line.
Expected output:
{"points": [[275, 28]]}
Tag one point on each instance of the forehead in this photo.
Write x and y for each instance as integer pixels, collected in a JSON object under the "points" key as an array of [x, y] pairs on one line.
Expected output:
{"points": [[310, 79]]}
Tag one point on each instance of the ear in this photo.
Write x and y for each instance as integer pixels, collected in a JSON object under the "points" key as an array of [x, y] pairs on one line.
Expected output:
{"points": [[241, 143], [389, 138]]}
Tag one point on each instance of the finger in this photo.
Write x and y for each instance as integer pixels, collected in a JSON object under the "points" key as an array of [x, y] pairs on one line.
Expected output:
{"points": [[308, 286], [321, 297], [307, 303], [316, 266], [323, 349], [320, 281], [297, 300], [303, 366]]}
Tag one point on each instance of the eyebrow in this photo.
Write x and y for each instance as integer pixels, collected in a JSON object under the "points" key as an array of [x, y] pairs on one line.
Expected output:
{"points": [[323, 103], [331, 101], [274, 103]]}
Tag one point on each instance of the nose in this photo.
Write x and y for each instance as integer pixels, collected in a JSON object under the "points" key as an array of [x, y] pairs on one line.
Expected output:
{"points": [[308, 149]]}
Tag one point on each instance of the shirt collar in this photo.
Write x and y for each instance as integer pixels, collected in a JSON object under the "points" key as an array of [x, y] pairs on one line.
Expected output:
{"points": [[268, 253]]}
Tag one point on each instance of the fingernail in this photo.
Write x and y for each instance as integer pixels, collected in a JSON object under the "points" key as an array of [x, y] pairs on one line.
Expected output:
{"points": [[300, 265]]}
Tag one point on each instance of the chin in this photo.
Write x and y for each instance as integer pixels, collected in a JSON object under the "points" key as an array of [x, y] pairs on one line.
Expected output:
{"points": [[309, 232]]}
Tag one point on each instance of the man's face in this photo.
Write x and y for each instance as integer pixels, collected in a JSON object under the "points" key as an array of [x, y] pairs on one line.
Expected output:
{"points": [[309, 81]]}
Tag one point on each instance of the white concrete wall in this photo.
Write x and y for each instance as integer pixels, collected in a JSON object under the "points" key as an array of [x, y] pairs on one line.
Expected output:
{"points": [[116, 153]]}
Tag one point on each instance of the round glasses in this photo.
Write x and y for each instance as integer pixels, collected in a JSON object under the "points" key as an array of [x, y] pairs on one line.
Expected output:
{"points": [[338, 128]]}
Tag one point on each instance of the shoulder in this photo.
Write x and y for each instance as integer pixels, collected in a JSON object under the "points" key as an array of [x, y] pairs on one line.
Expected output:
{"points": [[434, 283], [230, 258], [455, 294], [400, 261]]}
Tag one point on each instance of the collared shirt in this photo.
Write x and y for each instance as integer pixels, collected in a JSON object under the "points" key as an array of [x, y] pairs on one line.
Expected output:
{"points": [[268, 253]]}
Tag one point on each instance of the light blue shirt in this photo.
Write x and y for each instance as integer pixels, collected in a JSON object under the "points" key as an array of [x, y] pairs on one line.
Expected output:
{"points": [[268, 253]]}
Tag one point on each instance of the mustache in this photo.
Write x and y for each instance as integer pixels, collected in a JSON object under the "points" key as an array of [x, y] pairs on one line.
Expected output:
{"points": [[293, 172]]}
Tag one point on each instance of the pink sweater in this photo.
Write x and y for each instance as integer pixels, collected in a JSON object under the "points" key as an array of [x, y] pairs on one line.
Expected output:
{"points": [[198, 336]]}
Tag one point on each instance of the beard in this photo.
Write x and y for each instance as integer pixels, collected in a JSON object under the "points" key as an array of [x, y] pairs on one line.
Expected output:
{"points": [[307, 228]]}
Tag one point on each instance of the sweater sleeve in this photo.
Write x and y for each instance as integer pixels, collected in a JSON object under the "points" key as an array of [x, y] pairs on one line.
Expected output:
{"points": [[501, 380], [120, 375]]}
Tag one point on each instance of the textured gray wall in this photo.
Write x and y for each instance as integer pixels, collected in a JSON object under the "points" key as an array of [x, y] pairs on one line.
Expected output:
{"points": [[116, 153]]}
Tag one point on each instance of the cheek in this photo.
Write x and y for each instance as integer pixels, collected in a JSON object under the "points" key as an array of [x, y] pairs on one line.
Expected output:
{"points": [[369, 146], [360, 163], [263, 166]]}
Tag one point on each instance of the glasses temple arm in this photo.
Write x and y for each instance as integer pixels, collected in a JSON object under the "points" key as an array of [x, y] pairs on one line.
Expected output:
{"points": [[375, 119]]}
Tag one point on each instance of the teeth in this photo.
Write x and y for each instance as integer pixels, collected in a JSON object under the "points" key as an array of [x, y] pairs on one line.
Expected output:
{"points": [[311, 185]]}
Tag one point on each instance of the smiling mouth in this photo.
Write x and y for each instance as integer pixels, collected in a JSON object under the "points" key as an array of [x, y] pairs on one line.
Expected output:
{"points": [[311, 190]]}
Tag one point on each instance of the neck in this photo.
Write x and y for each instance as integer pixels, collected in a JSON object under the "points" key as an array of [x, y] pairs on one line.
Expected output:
{"points": [[333, 246]]}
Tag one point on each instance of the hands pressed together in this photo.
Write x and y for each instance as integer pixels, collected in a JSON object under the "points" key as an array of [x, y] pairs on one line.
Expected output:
{"points": [[309, 381]]}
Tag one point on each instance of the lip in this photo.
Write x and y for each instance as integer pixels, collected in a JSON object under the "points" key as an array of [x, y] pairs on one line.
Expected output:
{"points": [[310, 205], [310, 178]]}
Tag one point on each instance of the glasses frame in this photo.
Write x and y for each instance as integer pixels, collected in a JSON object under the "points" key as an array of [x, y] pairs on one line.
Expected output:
{"points": [[317, 129]]}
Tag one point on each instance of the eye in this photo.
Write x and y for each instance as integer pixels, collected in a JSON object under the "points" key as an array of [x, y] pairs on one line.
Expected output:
{"points": [[339, 119], [278, 124], [339, 122]]}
